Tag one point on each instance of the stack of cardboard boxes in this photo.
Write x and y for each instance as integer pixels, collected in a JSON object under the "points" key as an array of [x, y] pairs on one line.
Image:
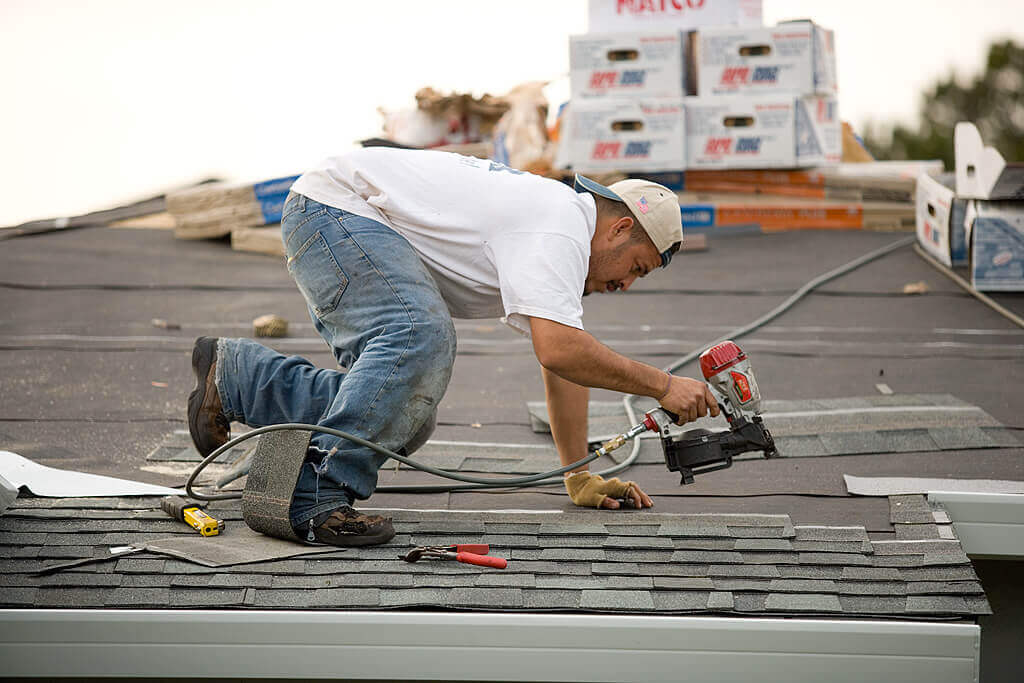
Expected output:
{"points": [[701, 97], [678, 84], [975, 217]]}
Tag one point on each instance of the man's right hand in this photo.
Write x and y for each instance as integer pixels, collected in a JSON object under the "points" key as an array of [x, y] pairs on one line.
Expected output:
{"points": [[689, 399]]}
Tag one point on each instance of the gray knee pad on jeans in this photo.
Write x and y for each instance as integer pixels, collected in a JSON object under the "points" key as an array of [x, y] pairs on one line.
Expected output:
{"points": [[267, 498], [422, 434], [274, 472]]}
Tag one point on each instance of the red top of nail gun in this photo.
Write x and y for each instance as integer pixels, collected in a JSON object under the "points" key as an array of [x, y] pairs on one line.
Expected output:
{"points": [[719, 357]]}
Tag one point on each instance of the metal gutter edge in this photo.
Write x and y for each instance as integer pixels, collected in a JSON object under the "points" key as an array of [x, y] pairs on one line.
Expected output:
{"points": [[480, 646], [988, 524]]}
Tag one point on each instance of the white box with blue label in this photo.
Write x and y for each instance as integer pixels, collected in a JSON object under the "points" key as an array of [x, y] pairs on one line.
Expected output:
{"points": [[996, 233], [783, 131], [656, 15], [620, 134], [940, 219], [627, 64], [795, 56]]}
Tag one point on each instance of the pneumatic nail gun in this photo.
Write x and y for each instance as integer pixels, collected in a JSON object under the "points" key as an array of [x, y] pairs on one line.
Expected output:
{"points": [[696, 451]]}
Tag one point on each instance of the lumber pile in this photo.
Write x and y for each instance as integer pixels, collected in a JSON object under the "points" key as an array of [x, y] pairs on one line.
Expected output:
{"points": [[265, 240], [876, 181], [726, 213], [215, 210], [877, 195]]}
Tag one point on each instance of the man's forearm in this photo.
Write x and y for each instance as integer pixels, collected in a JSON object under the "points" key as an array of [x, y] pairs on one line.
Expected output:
{"points": [[582, 360], [567, 411]]}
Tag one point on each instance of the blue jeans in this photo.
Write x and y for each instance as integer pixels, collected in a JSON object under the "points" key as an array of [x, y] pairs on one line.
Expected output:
{"points": [[374, 303]]}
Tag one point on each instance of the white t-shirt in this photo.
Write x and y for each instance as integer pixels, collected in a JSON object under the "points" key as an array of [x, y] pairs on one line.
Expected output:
{"points": [[496, 240]]}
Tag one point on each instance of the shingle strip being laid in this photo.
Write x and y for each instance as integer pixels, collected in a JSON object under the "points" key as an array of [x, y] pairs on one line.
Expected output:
{"points": [[237, 545], [826, 427], [741, 564]]}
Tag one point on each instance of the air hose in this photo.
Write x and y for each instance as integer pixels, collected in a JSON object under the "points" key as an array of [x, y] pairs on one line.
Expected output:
{"points": [[543, 478]]}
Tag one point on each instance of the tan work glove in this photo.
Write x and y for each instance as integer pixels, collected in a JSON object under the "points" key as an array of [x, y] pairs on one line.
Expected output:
{"points": [[590, 490]]}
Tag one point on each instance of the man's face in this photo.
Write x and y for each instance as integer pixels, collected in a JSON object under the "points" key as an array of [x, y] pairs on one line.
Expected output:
{"points": [[615, 265]]}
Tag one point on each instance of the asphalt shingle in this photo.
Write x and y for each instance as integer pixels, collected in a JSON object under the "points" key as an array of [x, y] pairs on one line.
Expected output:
{"points": [[72, 597], [811, 571], [202, 597], [857, 604], [916, 532], [617, 600], [490, 598], [439, 581], [138, 597], [803, 602], [829, 533], [749, 602], [680, 601], [551, 599], [951, 604], [720, 600], [26, 596], [652, 562], [910, 509], [683, 583]]}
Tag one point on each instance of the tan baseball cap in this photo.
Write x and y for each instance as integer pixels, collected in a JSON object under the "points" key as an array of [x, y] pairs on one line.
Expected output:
{"points": [[654, 206]]}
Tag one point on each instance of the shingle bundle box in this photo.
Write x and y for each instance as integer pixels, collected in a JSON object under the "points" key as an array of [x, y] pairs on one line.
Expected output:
{"points": [[619, 134], [940, 219], [216, 209], [765, 96], [627, 64], [626, 112], [981, 224], [767, 131], [795, 56]]}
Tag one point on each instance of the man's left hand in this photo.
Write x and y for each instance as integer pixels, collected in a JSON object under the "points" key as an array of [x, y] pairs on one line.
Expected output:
{"points": [[591, 490], [634, 498]]}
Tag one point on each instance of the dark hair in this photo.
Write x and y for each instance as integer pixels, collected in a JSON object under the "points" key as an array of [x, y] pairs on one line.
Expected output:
{"points": [[610, 207], [671, 250]]}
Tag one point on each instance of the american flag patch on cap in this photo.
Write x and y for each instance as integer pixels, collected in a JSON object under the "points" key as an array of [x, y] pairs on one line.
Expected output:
{"points": [[642, 205]]}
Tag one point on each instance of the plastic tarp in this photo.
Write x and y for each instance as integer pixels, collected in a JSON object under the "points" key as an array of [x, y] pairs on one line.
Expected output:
{"points": [[898, 486], [51, 482]]}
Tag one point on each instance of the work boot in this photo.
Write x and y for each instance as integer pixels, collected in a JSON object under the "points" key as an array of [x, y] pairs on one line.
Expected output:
{"points": [[347, 527], [207, 423]]}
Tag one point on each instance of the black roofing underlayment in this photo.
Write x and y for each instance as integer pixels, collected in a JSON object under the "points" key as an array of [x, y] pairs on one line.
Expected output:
{"points": [[588, 561], [88, 383]]}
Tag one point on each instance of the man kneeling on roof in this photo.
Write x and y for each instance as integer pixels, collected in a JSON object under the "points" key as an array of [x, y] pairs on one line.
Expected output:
{"points": [[387, 246]]}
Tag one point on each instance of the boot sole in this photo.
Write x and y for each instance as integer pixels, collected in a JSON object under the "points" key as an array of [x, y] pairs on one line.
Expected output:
{"points": [[354, 541], [202, 359]]}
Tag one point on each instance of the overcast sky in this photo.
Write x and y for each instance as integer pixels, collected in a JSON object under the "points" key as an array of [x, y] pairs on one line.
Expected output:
{"points": [[108, 101]]}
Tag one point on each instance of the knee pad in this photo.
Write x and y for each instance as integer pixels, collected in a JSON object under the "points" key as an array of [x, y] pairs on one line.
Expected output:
{"points": [[267, 499], [423, 434]]}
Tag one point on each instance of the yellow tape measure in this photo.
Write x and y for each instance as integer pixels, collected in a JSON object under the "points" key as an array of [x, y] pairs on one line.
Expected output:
{"points": [[202, 522]]}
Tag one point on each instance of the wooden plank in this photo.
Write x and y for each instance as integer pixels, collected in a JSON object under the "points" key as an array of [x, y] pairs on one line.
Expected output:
{"points": [[265, 240], [162, 221]]}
